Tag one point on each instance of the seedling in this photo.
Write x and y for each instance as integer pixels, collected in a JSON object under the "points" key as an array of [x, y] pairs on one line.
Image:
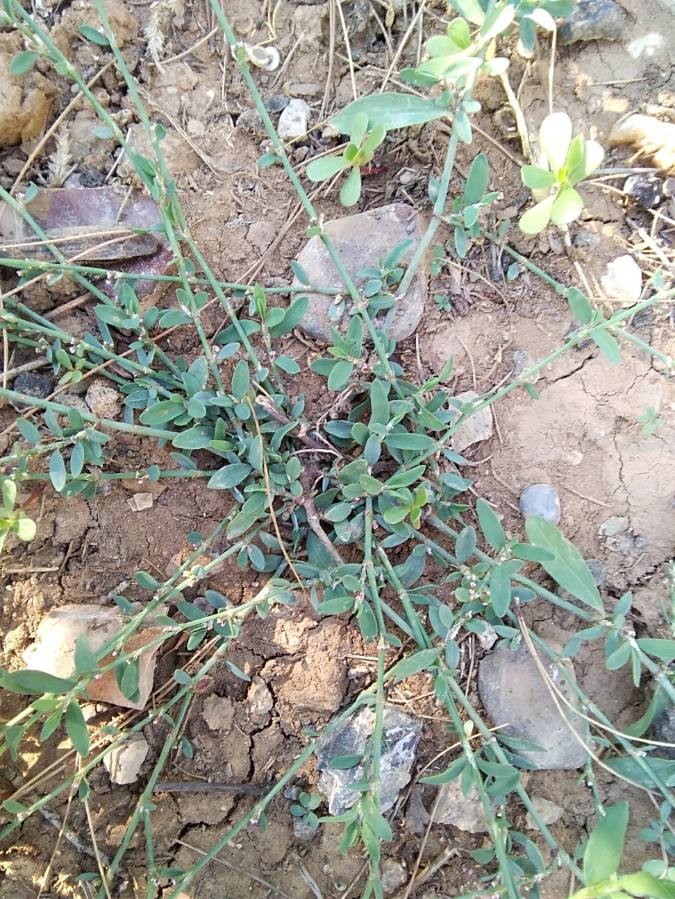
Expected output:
{"points": [[363, 141], [565, 161], [13, 521]]}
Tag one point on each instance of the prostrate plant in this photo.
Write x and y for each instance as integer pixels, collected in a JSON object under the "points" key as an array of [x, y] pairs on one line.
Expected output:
{"points": [[565, 161], [13, 521]]}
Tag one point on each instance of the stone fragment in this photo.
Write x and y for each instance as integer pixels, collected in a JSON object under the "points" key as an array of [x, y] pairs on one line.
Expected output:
{"points": [[541, 500], [54, 649], [594, 20], [103, 401], [140, 502], [302, 830], [646, 190], [124, 761], [218, 712], [516, 698], [276, 103], [401, 734], [622, 281], [260, 700], [261, 235], [362, 241], [476, 428], [663, 730], [548, 811], [250, 122], [25, 100], [393, 874], [293, 120], [416, 815], [31, 384], [522, 360], [464, 812]]}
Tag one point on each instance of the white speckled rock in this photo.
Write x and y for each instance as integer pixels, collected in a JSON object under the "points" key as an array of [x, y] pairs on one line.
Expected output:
{"points": [[293, 120]]}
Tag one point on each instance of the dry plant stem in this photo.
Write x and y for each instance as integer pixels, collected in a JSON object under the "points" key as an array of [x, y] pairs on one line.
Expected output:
{"points": [[521, 124]]}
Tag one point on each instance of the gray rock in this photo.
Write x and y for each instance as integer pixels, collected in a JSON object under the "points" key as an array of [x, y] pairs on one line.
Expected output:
{"points": [[362, 241], [302, 830], [516, 697], [124, 761], [276, 103], [394, 875], [663, 730], [594, 20], [293, 120], [522, 360], [475, 428], [30, 384], [416, 815], [401, 735], [548, 811], [250, 122], [585, 240], [646, 190], [465, 812], [541, 500], [598, 570]]}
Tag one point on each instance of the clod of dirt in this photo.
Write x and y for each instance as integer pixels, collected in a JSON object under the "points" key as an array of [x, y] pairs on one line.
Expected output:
{"points": [[293, 120], [54, 649], [516, 697], [124, 761], [30, 384], [141, 502], [260, 700], [622, 281], [465, 812], [541, 500], [25, 101], [649, 137], [363, 241], [123, 22], [309, 25], [103, 401], [476, 428], [594, 20], [548, 811], [401, 734], [218, 712]]}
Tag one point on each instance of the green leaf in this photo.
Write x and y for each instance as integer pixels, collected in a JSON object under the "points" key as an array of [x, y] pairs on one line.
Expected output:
{"points": [[241, 380], [324, 168], [31, 682], [367, 621], [84, 657], [450, 773], [579, 305], [500, 590], [92, 34], [660, 649], [406, 478], [568, 569], [537, 218], [340, 375], [490, 525], [287, 364], [351, 189], [536, 178], [22, 63], [642, 883], [161, 413], [405, 441], [466, 544], [76, 728], [344, 762], [25, 528], [605, 844], [57, 471], [618, 658], [195, 438], [607, 345], [567, 207], [497, 21], [395, 514], [555, 136], [469, 9], [28, 431], [292, 317], [229, 476], [379, 403], [477, 182], [391, 109], [415, 663]]}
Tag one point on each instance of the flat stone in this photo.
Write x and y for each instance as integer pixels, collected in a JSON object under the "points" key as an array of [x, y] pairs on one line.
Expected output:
{"points": [[594, 20], [140, 502], [54, 649], [103, 401], [517, 699], [293, 120], [125, 761], [541, 500], [465, 812], [401, 734], [475, 428], [548, 811], [362, 241], [31, 384]]}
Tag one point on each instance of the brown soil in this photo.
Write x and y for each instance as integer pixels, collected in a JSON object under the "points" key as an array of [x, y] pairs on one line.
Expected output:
{"points": [[583, 435]]}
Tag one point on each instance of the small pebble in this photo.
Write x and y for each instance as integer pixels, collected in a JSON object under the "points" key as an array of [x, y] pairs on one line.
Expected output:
{"points": [[276, 104], [594, 20], [646, 190], [293, 120], [541, 500], [30, 384], [103, 401], [139, 502], [622, 280], [250, 122], [394, 875], [301, 830]]}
